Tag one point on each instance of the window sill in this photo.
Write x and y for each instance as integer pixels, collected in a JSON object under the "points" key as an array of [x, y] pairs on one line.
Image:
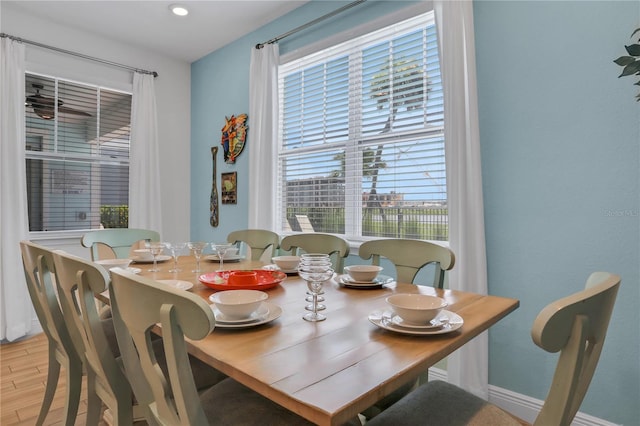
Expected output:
{"points": [[57, 235]]}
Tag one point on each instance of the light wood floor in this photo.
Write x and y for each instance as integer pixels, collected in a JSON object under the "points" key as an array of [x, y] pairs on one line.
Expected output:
{"points": [[23, 376]]}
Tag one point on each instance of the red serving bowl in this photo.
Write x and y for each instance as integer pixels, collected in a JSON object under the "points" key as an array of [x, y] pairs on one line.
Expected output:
{"points": [[262, 280]]}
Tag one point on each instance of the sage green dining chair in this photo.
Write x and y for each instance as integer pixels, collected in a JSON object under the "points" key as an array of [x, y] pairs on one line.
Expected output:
{"points": [[257, 240], [409, 257], [575, 326], [39, 269], [79, 283], [115, 243], [314, 242], [175, 399]]}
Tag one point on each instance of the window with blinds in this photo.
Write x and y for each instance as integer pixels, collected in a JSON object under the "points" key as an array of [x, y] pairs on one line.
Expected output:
{"points": [[362, 142], [77, 155]]}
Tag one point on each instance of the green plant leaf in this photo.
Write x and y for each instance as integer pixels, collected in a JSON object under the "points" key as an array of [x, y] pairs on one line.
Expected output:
{"points": [[634, 33], [630, 69], [637, 83], [633, 50], [624, 60]]}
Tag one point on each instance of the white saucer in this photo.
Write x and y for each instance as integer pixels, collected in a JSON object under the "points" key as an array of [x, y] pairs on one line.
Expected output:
{"points": [[397, 320], [274, 267], [270, 311], [180, 285], [160, 258], [346, 281], [215, 258], [134, 270], [455, 321]]}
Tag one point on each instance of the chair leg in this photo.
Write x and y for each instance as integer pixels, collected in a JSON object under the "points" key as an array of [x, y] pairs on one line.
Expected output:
{"points": [[123, 412], [74, 386], [94, 403], [53, 374]]}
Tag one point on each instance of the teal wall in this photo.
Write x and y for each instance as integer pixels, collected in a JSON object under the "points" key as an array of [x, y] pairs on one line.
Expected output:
{"points": [[560, 139], [560, 157]]}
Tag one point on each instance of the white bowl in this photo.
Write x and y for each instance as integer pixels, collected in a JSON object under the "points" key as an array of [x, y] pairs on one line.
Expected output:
{"points": [[238, 304], [416, 308], [363, 272], [109, 264], [287, 263], [143, 254]]}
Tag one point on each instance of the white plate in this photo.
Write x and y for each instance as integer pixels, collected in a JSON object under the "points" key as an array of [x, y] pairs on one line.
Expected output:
{"points": [[274, 312], [273, 267], [160, 258], [215, 258], [134, 270], [260, 314], [455, 322], [380, 280], [180, 285]]}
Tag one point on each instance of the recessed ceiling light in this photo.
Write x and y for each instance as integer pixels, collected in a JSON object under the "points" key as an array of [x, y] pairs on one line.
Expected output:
{"points": [[179, 10]]}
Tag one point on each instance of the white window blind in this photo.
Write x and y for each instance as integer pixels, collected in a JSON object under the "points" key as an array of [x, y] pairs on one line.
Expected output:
{"points": [[77, 153], [362, 144]]}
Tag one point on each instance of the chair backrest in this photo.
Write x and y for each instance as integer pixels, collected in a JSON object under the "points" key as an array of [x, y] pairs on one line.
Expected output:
{"points": [[409, 256], [316, 242], [180, 313], [39, 269], [79, 281], [576, 326], [258, 240], [117, 241]]}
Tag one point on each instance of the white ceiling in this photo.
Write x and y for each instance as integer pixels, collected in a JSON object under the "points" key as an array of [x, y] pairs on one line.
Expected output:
{"points": [[150, 24]]}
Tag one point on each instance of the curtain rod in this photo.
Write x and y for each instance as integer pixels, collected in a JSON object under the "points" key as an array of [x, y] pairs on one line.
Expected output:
{"points": [[308, 24], [80, 55]]}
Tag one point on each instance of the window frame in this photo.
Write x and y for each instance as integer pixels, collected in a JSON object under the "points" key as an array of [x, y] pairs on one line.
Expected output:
{"points": [[56, 155], [354, 178]]}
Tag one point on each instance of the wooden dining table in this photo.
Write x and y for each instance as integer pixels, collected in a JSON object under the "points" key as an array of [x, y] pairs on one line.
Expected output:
{"points": [[329, 371]]}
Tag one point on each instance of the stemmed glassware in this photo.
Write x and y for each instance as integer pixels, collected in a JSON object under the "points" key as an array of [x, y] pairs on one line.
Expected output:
{"points": [[155, 249], [196, 248], [175, 248], [221, 250], [315, 269]]}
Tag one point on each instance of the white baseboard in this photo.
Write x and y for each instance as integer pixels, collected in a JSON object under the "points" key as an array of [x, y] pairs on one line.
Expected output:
{"points": [[522, 406]]}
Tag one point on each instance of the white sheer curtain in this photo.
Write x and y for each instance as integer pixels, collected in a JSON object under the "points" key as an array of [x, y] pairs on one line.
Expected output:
{"points": [[16, 311], [263, 134], [144, 169], [467, 367]]}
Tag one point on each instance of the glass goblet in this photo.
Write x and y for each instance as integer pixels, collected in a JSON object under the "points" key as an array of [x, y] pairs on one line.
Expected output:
{"points": [[155, 249], [176, 249], [221, 250], [196, 248], [315, 257], [315, 270]]}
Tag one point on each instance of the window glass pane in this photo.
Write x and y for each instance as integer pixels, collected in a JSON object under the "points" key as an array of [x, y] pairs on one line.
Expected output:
{"points": [[401, 198], [77, 149], [314, 186], [316, 104]]}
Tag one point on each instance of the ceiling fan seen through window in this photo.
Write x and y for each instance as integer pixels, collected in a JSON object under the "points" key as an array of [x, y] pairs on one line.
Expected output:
{"points": [[44, 106]]}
